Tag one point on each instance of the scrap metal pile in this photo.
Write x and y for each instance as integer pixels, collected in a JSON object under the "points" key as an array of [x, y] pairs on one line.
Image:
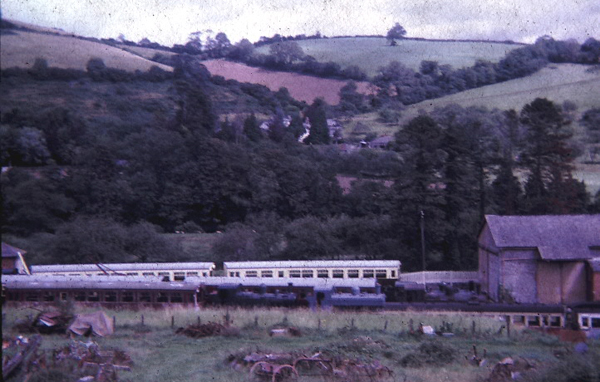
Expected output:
{"points": [[83, 361], [294, 366]]}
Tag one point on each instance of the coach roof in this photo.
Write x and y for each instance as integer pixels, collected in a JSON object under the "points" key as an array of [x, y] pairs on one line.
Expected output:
{"points": [[122, 267], [313, 264]]}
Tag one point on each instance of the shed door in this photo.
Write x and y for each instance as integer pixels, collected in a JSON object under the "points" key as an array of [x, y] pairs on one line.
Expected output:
{"points": [[549, 283]]}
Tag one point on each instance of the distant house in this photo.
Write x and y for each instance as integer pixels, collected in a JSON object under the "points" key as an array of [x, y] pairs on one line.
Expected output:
{"points": [[540, 259], [13, 261]]}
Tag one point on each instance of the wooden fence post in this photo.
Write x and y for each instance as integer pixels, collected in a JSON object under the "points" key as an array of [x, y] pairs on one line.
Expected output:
{"points": [[114, 322], [385, 326], [172, 321], [142, 320]]}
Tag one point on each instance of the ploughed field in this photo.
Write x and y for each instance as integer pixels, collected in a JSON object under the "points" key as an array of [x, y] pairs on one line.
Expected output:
{"points": [[301, 87]]}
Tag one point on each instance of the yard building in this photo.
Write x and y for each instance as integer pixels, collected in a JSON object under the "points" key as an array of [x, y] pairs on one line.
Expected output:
{"points": [[540, 259], [13, 261]]}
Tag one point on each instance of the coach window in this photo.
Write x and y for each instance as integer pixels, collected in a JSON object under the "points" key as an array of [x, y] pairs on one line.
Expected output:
{"points": [[79, 296], [595, 322], [148, 274], [162, 297], [132, 273], [145, 297], [251, 273], [295, 274], [555, 321], [63, 296], [394, 274], [127, 297], [533, 321], [176, 297], [338, 273], [192, 274], [32, 296], [93, 296], [381, 273], [307, 274], [110, 296], [352, 273], [179, 276], [322, 273], [266, 273], [48, 296], [368, 273]]}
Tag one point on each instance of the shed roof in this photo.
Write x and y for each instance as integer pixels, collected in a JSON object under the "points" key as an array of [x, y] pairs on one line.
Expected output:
{"points": [[556, 237], [10, 251]]}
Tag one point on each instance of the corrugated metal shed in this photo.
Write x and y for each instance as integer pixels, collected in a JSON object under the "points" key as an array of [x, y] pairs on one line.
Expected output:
{"points": [[557, 237]]}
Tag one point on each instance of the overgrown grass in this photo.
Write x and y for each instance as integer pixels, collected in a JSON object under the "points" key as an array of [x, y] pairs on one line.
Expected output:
{"points": [[160, 355]]}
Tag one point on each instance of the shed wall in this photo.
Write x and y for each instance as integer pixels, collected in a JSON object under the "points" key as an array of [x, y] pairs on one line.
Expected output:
{"points": [[519, 279], [489, 264], [573, 280], [595, 287], [549, 283]]}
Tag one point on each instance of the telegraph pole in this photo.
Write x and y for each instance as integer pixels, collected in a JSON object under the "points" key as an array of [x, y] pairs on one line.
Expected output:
{"points": [[423, 238]]}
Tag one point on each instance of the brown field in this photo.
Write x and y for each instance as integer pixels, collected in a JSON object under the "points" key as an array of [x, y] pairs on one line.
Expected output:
{"points": [[301, 87], [22, 48]]}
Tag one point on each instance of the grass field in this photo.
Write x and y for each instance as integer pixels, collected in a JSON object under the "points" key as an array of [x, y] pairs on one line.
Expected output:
{"points": [[301, 87], [557, 83], [372, 53], [160, 355], [22, 48]]}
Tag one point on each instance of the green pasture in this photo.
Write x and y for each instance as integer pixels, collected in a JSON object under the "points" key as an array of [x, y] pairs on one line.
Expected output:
{"points": [[556, 82], [370, 53]]}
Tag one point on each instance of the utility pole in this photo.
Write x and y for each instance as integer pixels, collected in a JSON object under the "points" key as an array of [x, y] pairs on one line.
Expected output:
{"points": [[423, 238]]}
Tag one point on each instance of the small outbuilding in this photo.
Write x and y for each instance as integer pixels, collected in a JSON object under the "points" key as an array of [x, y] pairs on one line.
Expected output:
{"points": [[540, 259], [13, 261]]}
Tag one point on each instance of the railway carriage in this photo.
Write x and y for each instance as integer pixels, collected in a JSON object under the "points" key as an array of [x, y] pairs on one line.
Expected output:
{"points": [[116, 290], [334, 269], [169, 271]]}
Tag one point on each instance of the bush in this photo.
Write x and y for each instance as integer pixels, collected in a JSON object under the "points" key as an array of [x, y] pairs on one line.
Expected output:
{"points": [[432, 353]]}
